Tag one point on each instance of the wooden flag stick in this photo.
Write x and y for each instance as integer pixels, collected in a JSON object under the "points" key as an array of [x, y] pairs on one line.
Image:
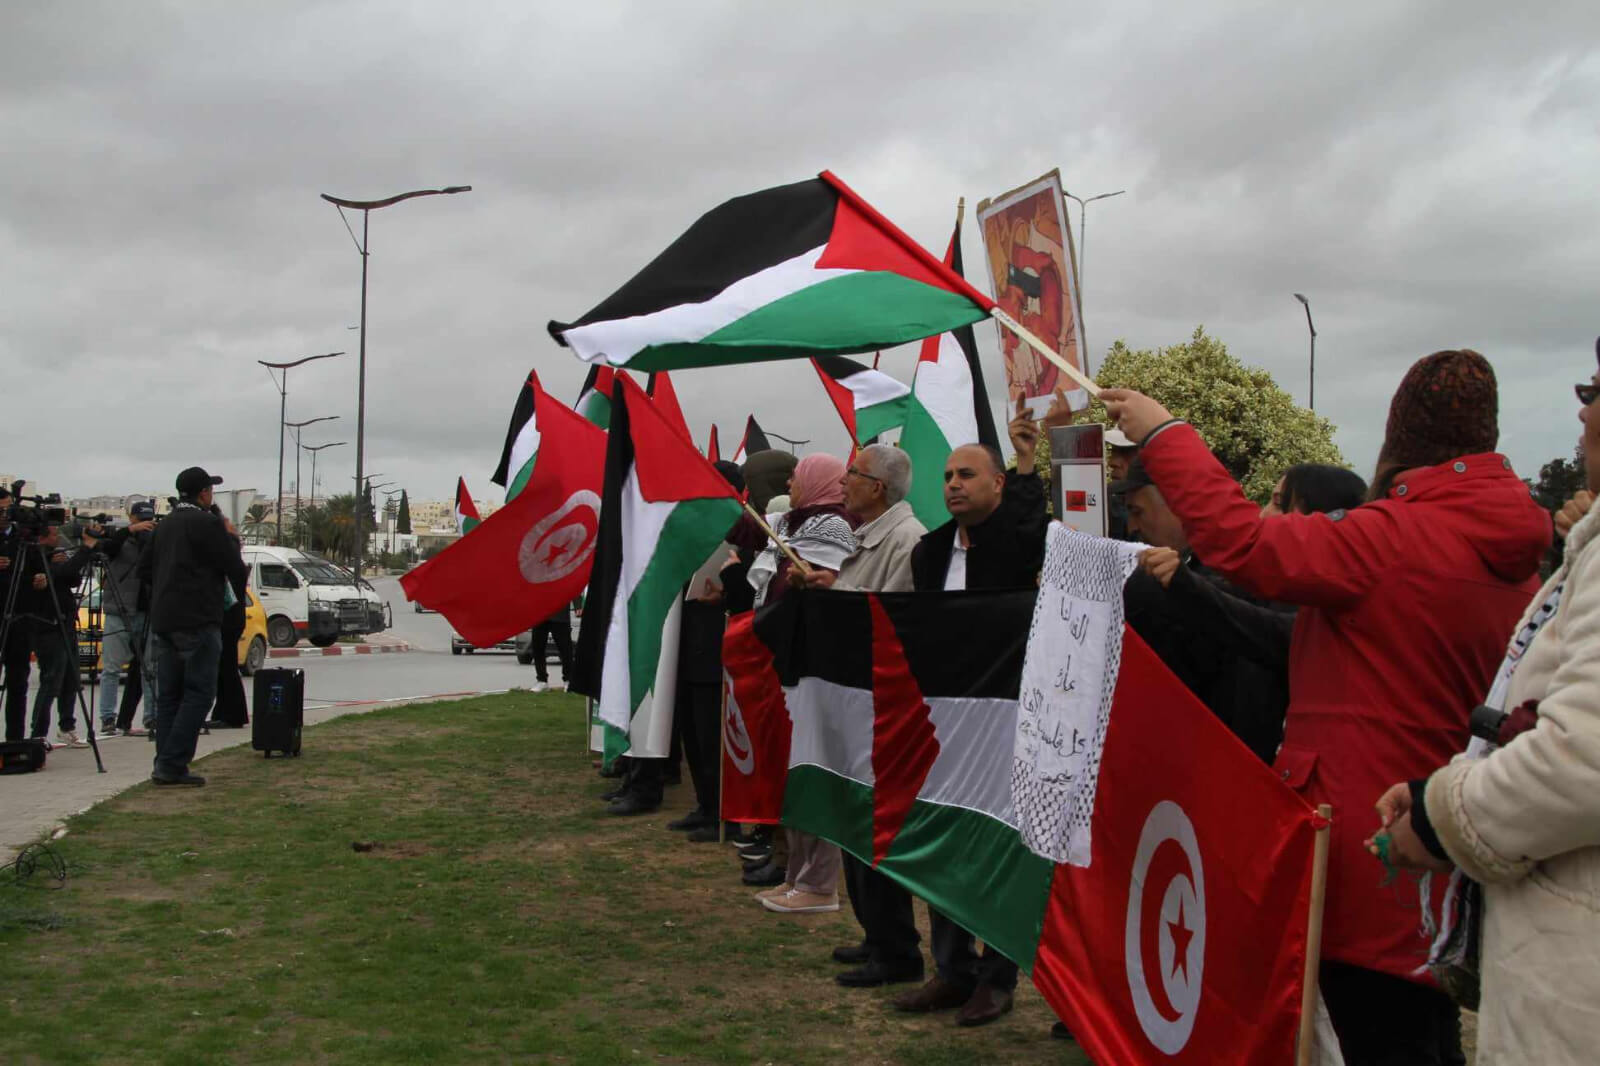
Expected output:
{"points": [[1319, 893], [1083, 380], [761, 521]]}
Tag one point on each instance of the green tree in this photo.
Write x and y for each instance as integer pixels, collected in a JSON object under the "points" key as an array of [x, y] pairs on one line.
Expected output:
{"points": [[257, 523], [330, 528], [1559, 480], [1252, 425], [402, 524]]}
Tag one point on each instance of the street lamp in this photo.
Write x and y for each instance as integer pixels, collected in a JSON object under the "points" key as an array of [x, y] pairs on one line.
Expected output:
{"points": [[1313, 329], [1083, 230], [366, 207], [313, 449], [297, 427], [283, 405]]}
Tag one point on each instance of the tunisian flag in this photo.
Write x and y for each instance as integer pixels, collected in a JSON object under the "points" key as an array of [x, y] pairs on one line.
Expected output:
{"points": [[532, 556]]}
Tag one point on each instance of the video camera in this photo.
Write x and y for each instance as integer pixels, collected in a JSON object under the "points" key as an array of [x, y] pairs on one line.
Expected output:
{"points": [[45, 511]]}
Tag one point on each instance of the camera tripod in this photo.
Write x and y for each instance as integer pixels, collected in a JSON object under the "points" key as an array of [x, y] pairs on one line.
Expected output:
{"points": [[20, 575]]}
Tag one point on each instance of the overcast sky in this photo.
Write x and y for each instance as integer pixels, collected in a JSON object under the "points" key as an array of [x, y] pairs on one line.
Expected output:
{"points": [[1426, 173]]}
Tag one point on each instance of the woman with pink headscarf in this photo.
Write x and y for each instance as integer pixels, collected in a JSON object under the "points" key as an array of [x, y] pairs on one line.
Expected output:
{"points": [[820, 531], [817, 527]]}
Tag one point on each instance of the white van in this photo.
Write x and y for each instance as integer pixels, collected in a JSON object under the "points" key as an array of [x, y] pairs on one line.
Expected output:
{"points": [[307, 596]]}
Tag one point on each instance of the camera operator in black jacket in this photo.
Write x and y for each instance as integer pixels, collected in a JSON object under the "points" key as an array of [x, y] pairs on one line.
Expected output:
{"points": [[14, 655], [191, 557], [51, 605]]}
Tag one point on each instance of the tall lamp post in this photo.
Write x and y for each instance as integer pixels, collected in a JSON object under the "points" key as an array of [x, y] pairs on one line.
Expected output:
{"points": [[1313, 329], [282, 385], [366, 207], [313, 449], [297, 427], [1083, 230]]}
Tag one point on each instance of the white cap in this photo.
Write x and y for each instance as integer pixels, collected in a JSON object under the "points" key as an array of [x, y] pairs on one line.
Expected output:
{"points": [[1118, 439]]}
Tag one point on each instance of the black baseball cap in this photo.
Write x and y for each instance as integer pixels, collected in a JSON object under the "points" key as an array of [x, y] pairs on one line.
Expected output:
{"points": [[142, 511], [194, 481]]}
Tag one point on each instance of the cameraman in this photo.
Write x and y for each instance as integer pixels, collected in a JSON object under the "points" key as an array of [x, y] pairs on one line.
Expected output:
{"points": [[125, 603], [52, 603], [17, 648], [190, 558]]}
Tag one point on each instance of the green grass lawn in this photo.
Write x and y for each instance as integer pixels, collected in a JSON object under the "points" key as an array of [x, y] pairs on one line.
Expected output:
{"points": [[501, 916]]}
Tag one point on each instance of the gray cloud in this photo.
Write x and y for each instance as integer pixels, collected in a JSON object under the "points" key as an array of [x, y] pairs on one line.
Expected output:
{"points": [[1422, 171]]}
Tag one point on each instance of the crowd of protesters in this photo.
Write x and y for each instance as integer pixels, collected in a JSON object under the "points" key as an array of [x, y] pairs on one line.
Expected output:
{"points": [[1344, 633]]}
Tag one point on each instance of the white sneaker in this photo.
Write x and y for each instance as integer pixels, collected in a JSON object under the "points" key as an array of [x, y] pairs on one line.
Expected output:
{"points": [[70, 740], [539, 686]]}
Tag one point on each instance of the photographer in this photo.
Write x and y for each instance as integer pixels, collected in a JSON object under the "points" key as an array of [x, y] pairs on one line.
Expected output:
{"points": [[190, 558], [125, 603], [51, 604], [14, 655]]}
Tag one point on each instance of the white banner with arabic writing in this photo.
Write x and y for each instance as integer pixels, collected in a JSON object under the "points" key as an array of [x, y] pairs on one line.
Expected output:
{"points": [[1064, 705]]}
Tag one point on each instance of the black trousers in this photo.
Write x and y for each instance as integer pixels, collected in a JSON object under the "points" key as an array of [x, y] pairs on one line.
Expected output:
{"points": [[883, 909], [959, 963], [646, 779], [558, 627], [230, 706], [15, 658], [698, 718], [1382, 1020]]}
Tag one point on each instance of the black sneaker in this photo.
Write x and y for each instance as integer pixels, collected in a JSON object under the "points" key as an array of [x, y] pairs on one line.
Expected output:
{"points": [[770, 874], [106, 732], [852, 954], [875, 974], [706, 834], [184, 780], [743, 839], [630, 803]]}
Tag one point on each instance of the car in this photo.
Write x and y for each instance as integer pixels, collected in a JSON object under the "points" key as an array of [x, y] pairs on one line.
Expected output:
{"points": [[252, 648], [460, 645], [307, 596]]}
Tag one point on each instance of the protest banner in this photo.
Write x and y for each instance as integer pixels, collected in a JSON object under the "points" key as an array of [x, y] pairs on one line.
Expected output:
{"points": [[1033, 275]]}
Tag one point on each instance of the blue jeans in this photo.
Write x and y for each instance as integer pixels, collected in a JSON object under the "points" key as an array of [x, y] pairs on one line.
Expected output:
{"points": [[186, 686], [125, 637]]}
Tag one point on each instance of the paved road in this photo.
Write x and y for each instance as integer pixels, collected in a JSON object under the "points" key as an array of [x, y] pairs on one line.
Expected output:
{"points": [[31, 804]]}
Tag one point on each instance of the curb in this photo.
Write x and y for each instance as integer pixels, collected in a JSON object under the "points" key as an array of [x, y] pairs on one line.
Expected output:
{"points": [[338, 649]]}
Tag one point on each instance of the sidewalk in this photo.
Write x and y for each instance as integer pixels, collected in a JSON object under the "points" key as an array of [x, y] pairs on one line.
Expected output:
{"points": [[32, 805], [374, 644]]}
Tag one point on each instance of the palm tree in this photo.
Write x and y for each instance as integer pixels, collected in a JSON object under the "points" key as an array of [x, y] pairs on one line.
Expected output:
{"points": [[257, 526], [330, 528]]}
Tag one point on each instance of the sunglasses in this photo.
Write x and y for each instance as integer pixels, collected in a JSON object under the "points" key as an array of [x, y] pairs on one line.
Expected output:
{"points": [[1587, 392]]}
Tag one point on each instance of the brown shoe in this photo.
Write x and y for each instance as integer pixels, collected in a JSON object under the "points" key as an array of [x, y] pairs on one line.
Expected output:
{"points": [[937, 994], [985, 1005]]}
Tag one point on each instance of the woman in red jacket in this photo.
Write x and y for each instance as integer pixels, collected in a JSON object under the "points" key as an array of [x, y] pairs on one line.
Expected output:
{"points": [[1405, 605]]}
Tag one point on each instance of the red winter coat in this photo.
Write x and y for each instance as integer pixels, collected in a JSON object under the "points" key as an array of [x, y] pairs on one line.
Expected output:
{"points": [[1406, 606]]}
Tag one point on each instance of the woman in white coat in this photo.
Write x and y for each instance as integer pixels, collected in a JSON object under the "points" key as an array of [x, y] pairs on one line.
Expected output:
{"points": [[1524, 820]]}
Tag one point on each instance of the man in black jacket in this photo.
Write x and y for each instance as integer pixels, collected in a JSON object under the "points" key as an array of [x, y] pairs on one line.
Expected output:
{"points": [[994, 540], [14, 655], [190, 559], [52, 604]]}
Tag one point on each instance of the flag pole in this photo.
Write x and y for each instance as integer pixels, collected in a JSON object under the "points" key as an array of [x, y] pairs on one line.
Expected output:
{"points": [[782, 546], [1083, 380], [722, 740], [1319, 892]]}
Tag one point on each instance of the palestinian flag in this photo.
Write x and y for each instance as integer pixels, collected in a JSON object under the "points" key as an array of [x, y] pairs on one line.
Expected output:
{"points": [[891, 724], [522, 443], [665, 511], [713, 449], [754, 440], [868, 401], [594, 400], [665, 397], [949, 407], [466, 511], [796, 271]]}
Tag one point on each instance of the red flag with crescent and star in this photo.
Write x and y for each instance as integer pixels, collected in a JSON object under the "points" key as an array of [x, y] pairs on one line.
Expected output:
{"points": [[528, 559]]}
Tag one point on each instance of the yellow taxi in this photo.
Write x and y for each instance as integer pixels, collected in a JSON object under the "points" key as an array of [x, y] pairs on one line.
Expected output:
{"points": [[252, 643]]}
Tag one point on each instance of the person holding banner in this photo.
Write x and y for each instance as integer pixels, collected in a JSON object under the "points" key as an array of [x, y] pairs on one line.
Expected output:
{"points": [[1522, 818], [994, 540], [1405, 602], [875, 485]]}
